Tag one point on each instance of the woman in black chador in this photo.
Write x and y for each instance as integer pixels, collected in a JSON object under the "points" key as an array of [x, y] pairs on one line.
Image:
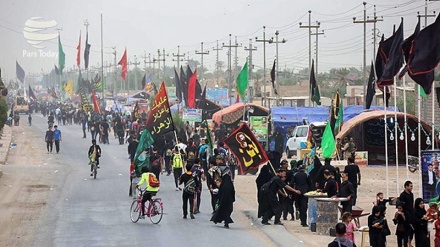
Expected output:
{"points": [[226, 199]]}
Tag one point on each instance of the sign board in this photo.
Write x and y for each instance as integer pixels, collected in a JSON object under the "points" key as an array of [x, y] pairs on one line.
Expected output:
{"points": [[430, 175], [171, 92], [258, 126], [192, 115], [361, 158], [218, 95]]}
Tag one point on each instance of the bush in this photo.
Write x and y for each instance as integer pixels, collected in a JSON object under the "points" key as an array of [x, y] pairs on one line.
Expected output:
{"points": [[3, 112]]}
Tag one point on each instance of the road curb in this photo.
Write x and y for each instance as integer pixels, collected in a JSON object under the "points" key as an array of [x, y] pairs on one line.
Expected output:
{"points": [[6, 141]]}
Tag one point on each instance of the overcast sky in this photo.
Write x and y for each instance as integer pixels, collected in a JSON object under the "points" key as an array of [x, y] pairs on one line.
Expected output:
{"points": [[147, 25]]}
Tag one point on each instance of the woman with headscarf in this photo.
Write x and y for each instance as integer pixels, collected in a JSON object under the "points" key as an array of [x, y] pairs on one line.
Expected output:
{"points": [[226, 199], [375, 226], [420, 224], [314, 172], [262, 178]]}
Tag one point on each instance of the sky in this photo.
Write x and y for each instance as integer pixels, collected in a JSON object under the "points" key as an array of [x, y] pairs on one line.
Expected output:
{"points": [[144, 26]]}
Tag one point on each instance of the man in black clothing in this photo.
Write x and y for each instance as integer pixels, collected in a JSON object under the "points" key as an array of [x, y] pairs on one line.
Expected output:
{"points": [[320, 178], [269, 197], [346, 191], [301, 182], [132, 146], [407, 198], [287, 202], [95, 150], [330, 186], [156, 163], [354, 176]]}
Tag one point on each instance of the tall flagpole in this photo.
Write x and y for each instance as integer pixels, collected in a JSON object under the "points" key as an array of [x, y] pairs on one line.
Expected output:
{"points": [[102, 60], [419, 132], [386, 138], [405, 125], [433, 118], [396, 137]]}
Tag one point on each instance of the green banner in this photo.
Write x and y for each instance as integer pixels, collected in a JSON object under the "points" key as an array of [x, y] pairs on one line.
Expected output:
{"points": [[258, 126]]}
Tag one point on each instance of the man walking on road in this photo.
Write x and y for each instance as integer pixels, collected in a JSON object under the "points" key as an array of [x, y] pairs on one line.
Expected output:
{"points": [[57, 138], [301, 182], [49, 139]]}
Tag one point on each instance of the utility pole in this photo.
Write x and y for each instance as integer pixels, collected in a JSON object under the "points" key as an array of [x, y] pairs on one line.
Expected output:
{"points": [[135, 63], [178, 56], [236, 58], [216, 64], [278, 60], [374, 30], [202, 53], [251, 67], [230, 66], [264, 40], [310, 26], [158, 60], [365, 21], [114, 83], [145, 61], [316, 49]]}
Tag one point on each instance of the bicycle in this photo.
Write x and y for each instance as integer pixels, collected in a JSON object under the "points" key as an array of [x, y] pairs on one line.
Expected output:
{"points": [[153, 210], [94, 169]]}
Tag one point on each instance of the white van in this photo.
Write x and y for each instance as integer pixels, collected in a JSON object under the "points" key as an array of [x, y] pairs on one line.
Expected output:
{"points": [[300, 134]]}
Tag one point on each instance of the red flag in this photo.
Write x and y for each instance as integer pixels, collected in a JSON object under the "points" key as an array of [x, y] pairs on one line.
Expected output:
{"points": [[192, 90], [95, 102], [123, 62], [237, 99], [159, 120], [78, 54]]}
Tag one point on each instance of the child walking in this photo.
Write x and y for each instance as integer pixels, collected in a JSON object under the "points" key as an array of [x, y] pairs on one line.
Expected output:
{"points": [[347, 220], [401, 226]]}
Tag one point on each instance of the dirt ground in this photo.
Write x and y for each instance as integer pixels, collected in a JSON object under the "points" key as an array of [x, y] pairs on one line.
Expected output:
{"points": [[29, 173], [25, 184], [373, 181]]}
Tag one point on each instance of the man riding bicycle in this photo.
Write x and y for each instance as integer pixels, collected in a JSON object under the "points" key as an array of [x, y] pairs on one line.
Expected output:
{"points": [[149, 190], [94, 154]]}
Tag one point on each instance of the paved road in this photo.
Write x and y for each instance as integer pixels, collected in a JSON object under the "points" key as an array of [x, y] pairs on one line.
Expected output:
{"points": [[87, 212]]}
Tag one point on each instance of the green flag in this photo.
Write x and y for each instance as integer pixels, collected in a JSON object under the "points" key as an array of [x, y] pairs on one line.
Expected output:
{"points": [[211, 146], [328, 143], [422, 92], [340, 120], [242, 82], [61, 56], [142, 158]]}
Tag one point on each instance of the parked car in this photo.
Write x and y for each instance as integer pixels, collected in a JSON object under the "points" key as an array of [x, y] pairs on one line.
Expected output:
{"points": [[301, 134]]}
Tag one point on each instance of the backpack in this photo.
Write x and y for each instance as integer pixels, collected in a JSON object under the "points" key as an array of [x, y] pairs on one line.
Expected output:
{"points": [[156, 163], [190, 186], [177, 161], [267, 185], [191, 155], [153, 181]]}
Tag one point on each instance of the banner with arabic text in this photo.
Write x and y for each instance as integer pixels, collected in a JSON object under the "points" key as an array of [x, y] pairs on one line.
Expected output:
{"points": [[159, 119], [246, 149]]}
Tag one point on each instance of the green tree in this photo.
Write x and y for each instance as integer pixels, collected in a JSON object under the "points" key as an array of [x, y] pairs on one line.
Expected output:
{"points": [[3, 112]]}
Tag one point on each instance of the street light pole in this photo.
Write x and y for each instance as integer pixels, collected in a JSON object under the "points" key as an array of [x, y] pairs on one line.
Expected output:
{"points": [[278, 61]]}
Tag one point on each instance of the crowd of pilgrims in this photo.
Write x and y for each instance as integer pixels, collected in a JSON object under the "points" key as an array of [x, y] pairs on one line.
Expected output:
{"points": [[280, 189]]}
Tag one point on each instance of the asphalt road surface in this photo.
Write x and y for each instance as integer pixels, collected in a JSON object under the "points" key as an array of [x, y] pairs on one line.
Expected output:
{"points": [[82, 211]]}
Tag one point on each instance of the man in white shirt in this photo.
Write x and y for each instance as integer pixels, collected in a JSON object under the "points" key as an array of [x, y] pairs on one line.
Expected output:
{"points": [[429, 182]]}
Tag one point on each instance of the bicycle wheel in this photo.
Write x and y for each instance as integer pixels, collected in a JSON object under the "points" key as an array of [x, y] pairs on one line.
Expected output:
{"points": [[95, 170], [135, 212], [156, 211]]}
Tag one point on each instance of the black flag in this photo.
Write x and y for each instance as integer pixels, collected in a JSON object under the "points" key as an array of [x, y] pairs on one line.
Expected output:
{"points": [[272, 77], [31, 93], [20, 72], [177, 85], [144, 82], [425, 55], [394, 59], [87, 52], [371, 87], [184, 85], [314, 90], [57, 71]]}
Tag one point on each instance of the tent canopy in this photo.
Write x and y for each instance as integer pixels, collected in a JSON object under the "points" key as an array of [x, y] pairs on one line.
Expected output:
{"points": [[234, 113]]}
